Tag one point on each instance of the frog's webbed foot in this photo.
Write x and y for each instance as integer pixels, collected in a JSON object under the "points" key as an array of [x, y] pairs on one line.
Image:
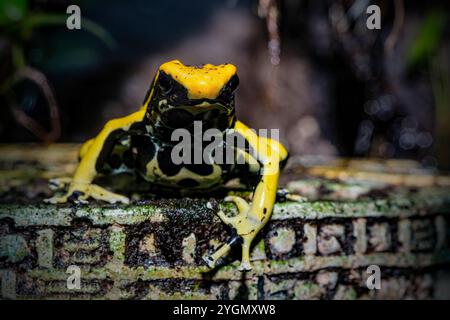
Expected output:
{"points": [[241, 223], [80, 193]]}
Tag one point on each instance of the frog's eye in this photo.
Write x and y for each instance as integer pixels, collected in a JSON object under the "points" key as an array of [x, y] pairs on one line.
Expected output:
{"points": [[165, 83]]}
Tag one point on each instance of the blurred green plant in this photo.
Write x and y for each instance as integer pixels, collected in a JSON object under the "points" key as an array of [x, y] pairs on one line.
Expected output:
{"points": [[440, 81], [427, 51], [428, 40], [17, 23]]}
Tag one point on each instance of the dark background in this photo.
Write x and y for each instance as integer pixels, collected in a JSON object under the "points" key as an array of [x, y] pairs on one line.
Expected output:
{"points": [[336, 88]]}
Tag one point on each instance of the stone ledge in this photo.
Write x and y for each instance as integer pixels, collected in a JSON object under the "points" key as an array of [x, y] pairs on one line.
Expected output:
{"points": [[311, 249], [426, 201]]}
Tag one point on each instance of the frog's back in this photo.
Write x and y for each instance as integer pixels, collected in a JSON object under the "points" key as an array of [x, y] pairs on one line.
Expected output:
{"points": [[154, 161]]}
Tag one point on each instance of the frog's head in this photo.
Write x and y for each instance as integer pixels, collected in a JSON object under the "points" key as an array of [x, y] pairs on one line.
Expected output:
{"points": [[183, 94]]}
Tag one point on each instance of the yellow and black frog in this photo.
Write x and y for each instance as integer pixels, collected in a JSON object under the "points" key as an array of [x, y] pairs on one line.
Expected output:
{"points": [[180, 97]]}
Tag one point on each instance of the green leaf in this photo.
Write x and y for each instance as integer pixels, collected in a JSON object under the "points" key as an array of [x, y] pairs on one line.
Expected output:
{"points": [[47, 19], [428, 39], [12, 11], [99, 32]]}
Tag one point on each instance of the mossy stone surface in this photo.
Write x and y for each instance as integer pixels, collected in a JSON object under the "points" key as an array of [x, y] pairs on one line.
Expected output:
{"points": [[337, 220]]}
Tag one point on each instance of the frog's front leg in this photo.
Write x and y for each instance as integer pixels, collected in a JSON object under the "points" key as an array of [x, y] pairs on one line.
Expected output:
{"points": [[252, 218], [81, 187]]}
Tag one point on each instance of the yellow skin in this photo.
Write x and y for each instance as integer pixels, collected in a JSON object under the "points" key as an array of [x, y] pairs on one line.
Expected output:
{"points": [[206, 82]]}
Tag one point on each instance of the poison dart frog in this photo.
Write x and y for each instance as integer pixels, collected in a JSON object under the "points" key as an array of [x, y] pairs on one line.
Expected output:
{"points": [[142, 142]]}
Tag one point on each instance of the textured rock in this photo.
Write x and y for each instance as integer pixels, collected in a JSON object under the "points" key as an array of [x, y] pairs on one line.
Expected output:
{"points": [[13, 248], [318, 248], [282, 241]]}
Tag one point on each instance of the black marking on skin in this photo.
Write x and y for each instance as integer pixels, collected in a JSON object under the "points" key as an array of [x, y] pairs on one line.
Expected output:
{"points": [[283, 162], [226, 168], [53, 183], [108, 146], [282, 195], [188, 183], [177, 118], [137, 127], [114, 161], [162, 132], [128, 159], [170, 89], [143, 150], [75, 195], [226, 93], [165, 163], [235, 240], [201, 169], [142, 147], [265, 210], [237, 139]]}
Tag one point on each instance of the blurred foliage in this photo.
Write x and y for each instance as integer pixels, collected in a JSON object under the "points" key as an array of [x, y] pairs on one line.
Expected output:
{"points": [[12, 11], [17, 23], [428, 39], [383, 93], [430, 52], [17, 20], [440, 78]]}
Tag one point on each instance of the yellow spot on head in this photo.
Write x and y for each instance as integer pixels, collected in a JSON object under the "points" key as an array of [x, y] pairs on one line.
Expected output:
{"points": [[202, 82]]}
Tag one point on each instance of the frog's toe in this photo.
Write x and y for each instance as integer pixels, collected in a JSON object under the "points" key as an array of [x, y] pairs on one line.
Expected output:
{"points": [[282, 195], [79, 197], [245, 266], [76, 196], [59, 183], [100, 193], [117, 198], [240, 203], [210, 262], [56, 200], [72, 196], [227, 220], [296, 198], [122, 199]]}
